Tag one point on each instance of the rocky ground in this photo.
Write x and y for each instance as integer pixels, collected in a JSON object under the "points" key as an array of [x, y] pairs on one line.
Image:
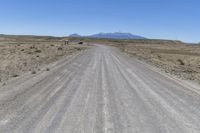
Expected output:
{"points": [[21, 54], [100, 90], [172, 57]]}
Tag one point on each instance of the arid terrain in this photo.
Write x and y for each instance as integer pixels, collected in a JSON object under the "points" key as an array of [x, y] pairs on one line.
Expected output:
{"points": [[99, 90], [173, 57], [48, 86], [21, 54]]}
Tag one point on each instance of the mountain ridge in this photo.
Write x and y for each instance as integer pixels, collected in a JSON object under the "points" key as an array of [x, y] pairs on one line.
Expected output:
{"points": [[115, 35]]}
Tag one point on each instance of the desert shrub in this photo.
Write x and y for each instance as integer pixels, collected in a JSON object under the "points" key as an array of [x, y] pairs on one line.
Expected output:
{"points": [[33, 72], [38, 51], [59, 48], [159, 56], [181, 62], [15, 75], [47, 69], [32, 47], [25, 63]]}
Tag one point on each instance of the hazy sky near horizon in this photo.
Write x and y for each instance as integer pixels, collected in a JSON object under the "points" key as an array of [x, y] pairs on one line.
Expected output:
{"points": [[159, 19]]}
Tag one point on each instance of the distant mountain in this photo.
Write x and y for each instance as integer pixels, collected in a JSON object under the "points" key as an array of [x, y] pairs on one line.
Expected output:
{"points": [[116, 35]]}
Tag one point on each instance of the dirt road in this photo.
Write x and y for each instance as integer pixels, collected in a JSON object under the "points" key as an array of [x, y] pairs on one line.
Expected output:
{"points": [[103, 91]]}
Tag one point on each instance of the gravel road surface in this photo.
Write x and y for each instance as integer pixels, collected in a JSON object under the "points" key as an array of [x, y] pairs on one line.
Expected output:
{"points": [[99, 90]]}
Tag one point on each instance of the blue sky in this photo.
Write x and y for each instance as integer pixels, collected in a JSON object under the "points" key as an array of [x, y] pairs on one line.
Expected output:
{"points": [[166, 19]]}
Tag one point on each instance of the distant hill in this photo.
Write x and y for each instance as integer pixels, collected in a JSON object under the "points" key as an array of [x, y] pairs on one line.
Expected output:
{"points": [[74, 35], [116, 35]]}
